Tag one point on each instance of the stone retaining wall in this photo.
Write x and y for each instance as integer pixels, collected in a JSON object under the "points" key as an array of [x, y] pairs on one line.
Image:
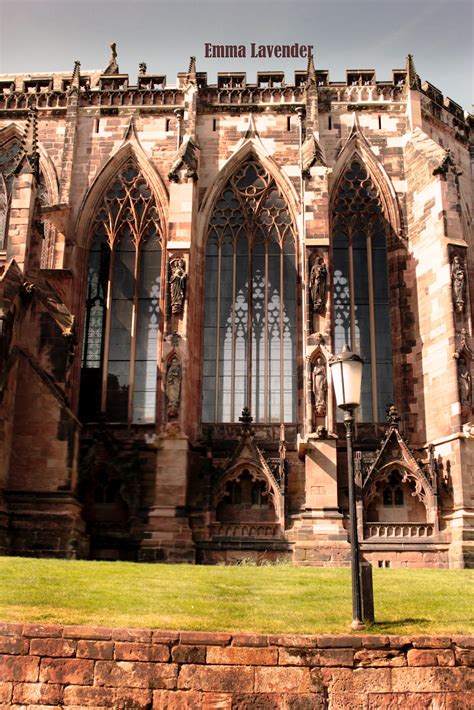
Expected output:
{"points": [[47, 667]]}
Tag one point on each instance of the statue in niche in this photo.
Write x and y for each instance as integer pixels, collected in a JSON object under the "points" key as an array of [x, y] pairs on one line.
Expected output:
{"points": [[173, 387], [177, 284], [458, 280], [318, 285], [465, 383], [320, 387]]}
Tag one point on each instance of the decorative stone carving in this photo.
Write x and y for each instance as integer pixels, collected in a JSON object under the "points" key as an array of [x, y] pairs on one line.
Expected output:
{"points": [[312, 154], [186, 161], [465, 382], [178, 279], [320, 387], [173, 387], [112, 67], [458, 281], [318, 285]]}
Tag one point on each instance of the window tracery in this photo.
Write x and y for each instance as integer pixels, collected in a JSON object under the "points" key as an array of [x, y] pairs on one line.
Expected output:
{"points": [[250, 302], [361, 295], [122, 304]]}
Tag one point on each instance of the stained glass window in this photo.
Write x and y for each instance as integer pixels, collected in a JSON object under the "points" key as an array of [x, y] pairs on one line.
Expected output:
{"points": [[250, 302], [122, 305], [360, 282]]}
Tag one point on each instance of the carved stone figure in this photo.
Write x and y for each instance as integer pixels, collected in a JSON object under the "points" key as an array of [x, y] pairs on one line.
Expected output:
{"points": [[465, 382], [458, 280], [173, 387], [177, 284], [320, 387], [318, 285]]}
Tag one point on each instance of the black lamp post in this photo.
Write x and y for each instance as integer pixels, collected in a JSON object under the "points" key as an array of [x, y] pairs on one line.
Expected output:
{"points": [[346, 374]]}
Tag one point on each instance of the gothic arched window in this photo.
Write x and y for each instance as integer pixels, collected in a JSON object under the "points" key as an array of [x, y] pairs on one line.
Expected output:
{"points": [[250, 302], [10, 154], [361, 296], [119, 361]]}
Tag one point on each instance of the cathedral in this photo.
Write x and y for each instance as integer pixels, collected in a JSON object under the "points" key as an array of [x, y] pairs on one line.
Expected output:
{"points": [[178, 264]]}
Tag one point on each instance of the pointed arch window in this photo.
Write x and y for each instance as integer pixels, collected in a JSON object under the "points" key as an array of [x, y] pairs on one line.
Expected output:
{"points": [[122, 320], [10, 155], [361, 293], [250, 302]]}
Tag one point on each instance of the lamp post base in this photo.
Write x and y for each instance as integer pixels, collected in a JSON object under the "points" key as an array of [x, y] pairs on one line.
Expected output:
{"points": [[357, 625]]}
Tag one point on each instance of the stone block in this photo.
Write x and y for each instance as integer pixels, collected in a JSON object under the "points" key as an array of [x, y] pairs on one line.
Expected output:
{"points": [[57, 648], [21, 668], [249, 640], [13, 645], [234, 655], [188, 654], [88, 632], [86, 696], [431, 657], [221, 679], [100, 650], [125, 651], [71, 671], [282, 680], [205, 637], [37, 693], [135, 674]]}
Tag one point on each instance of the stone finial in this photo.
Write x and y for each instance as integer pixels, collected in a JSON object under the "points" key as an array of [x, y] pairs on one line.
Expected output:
{"points": [[311, 71], [142, 68], [246, 420], [413, 80], [30, 143], [393, 417], [75, 84], [192, 69], [112, 67]]}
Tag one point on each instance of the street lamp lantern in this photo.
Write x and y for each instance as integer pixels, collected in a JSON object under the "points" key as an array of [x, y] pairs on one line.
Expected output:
{"points": [[346, 375]]}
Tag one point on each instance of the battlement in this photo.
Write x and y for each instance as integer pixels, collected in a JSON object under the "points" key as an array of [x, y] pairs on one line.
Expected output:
{"points": [[110, 88]]}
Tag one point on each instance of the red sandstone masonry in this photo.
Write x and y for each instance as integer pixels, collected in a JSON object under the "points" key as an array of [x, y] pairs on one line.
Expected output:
{"points": [[88, 667]]}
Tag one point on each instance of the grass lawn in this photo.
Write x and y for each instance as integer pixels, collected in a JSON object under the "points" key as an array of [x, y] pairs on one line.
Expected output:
{"points": [[268, 599]]}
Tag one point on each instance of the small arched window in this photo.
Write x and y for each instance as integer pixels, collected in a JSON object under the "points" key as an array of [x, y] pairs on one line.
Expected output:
{"points": [[122, 320], [393, 491], [361, 293], [250, 302]]}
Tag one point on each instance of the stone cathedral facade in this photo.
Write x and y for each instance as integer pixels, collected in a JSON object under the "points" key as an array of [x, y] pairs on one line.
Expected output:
{"points": [[179, 262]]}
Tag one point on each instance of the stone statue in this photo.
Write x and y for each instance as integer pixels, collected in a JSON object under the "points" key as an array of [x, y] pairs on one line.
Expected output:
{"points": [[173, 387], [112, 67], [318, 285], [177, 284], [458, 280], [320, 387], [465, 383]]}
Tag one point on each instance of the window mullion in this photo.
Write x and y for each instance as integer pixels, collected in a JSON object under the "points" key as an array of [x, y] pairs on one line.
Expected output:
{"points": [[218, 321], [282, 370], [373, 350], [266, 383], [108, 318], [249, 322], [134, 326], [352, 344], [233, 340]]}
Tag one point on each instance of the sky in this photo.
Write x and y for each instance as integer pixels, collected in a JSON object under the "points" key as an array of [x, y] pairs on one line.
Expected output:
{"points": [[48, 35]]}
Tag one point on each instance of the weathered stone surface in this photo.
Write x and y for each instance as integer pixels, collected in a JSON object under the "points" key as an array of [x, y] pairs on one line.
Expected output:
{"points": [[22, 668], [61, 648], [38, 693], [282, 680], [432, 657], [101, 650], [66, 670], [242, 656], [141, 652], [223, 678], [135, 674]]}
